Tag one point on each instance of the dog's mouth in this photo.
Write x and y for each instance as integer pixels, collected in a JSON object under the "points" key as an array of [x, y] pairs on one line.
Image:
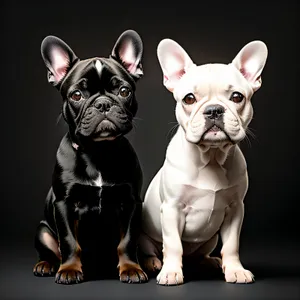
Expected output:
{"points": [[214, 129], [215, 134], [106, 130], [106, 136]]}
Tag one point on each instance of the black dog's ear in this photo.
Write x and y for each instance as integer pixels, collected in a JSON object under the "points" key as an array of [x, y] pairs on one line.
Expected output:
{"points": [[128, 51], [58, 57]]}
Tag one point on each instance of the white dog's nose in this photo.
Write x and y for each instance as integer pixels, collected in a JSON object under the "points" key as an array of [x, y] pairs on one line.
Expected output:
{"points": [[214, 111]]}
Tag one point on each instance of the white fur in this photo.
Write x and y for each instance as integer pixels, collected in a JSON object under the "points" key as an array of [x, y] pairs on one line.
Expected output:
{"points": [[98, 181], [201, 186], [90, 169], [98, 66]]}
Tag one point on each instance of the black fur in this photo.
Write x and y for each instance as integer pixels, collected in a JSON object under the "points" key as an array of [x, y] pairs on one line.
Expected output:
{"points": [[94, 225]]}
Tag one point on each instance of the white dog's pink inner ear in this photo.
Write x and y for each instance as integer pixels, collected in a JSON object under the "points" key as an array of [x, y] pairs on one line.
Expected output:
{"points": [[127, 54], [60, 63], [249, 66], [249, 70], [174, 66]]}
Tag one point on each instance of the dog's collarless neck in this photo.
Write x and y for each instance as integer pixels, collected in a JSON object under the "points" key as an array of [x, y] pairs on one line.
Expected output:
{"points": [[94, 146], [201, 155]]}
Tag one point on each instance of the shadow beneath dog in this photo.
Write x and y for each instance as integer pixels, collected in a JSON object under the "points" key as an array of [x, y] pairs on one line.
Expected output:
{"points": [[99, 255], [265, 271], [95, 268], [195, 271], [260, 271]]}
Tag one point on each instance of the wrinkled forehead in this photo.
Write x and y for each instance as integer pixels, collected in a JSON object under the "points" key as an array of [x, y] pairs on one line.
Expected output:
{"points": [[95, 71], [205, 79]]}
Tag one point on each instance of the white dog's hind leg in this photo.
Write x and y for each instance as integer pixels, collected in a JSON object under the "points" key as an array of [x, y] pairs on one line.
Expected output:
{"points": [[204, 251], [151, 251], [200, 259]]}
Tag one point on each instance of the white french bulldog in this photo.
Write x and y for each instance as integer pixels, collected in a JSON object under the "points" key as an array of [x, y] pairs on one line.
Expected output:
{"points": [[200, 189]]}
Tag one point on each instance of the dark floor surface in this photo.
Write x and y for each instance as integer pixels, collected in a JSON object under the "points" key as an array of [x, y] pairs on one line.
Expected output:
{"points": [[275, 265]]}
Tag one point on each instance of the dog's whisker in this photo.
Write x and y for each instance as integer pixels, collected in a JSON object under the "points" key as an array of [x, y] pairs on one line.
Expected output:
{"points": [[137, 119], [134, 127], [171, 131], [248, 141], [58, 118], [251, 133], [128, 112]]}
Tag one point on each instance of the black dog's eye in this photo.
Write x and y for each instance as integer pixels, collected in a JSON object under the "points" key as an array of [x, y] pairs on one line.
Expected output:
{"points": [[76, 95], [189, 99], [236, 97], [124, 92]]}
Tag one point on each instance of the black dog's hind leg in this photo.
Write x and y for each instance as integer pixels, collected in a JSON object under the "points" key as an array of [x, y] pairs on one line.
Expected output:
{"points": [[130, 217], [47, 247]]}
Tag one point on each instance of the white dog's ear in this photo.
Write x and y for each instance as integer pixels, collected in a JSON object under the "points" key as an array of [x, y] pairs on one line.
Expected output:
{"points": [[250, 61], [174, 62]]}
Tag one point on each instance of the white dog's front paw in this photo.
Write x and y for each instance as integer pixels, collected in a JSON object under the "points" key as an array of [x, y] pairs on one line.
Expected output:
{"points": [[170, 276], [238, 275]]}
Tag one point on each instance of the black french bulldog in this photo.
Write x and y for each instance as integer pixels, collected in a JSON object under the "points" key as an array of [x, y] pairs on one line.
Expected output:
{"points": [[93, 208]]}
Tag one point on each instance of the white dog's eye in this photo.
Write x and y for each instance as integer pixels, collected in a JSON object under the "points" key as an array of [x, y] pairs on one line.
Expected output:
{"points": [[76, 95], [189, 99], [236, 97]]}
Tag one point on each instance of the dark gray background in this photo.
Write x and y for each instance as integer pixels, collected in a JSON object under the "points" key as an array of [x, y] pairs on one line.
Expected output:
{"points": [[209, 32]]}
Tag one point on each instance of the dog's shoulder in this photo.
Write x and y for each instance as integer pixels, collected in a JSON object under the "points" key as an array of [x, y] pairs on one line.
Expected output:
{"points": [[66, 153]]}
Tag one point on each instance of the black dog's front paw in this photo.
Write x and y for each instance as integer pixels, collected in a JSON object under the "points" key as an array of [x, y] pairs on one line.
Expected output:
{"points": [[68, 276], [132, 274], [44, 269]]}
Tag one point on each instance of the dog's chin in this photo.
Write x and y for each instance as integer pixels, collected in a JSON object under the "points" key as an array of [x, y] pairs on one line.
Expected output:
{"points": [[214, 138]]}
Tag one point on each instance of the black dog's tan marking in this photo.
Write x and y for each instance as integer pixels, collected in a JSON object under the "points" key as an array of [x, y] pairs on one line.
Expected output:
{"points": [[97, 179], [129, 269], [71, 270]]}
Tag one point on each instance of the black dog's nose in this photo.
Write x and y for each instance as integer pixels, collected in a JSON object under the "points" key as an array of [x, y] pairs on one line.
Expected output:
{"points": [[102, 105], [214, 111]]}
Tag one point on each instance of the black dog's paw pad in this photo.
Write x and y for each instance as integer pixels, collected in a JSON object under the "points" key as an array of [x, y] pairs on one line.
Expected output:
{"points": [[68, 277], [43, 269], [133, 275]]}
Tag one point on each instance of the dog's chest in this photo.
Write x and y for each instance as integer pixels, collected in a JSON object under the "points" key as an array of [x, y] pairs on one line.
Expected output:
{"points": [[205, 200], [94, 176], [98, 181], [213, 177]]}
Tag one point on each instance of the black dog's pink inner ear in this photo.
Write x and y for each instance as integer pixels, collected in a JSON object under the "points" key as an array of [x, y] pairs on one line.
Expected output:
{"points": [[129, 56], [59, 63], [128, 51]]}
